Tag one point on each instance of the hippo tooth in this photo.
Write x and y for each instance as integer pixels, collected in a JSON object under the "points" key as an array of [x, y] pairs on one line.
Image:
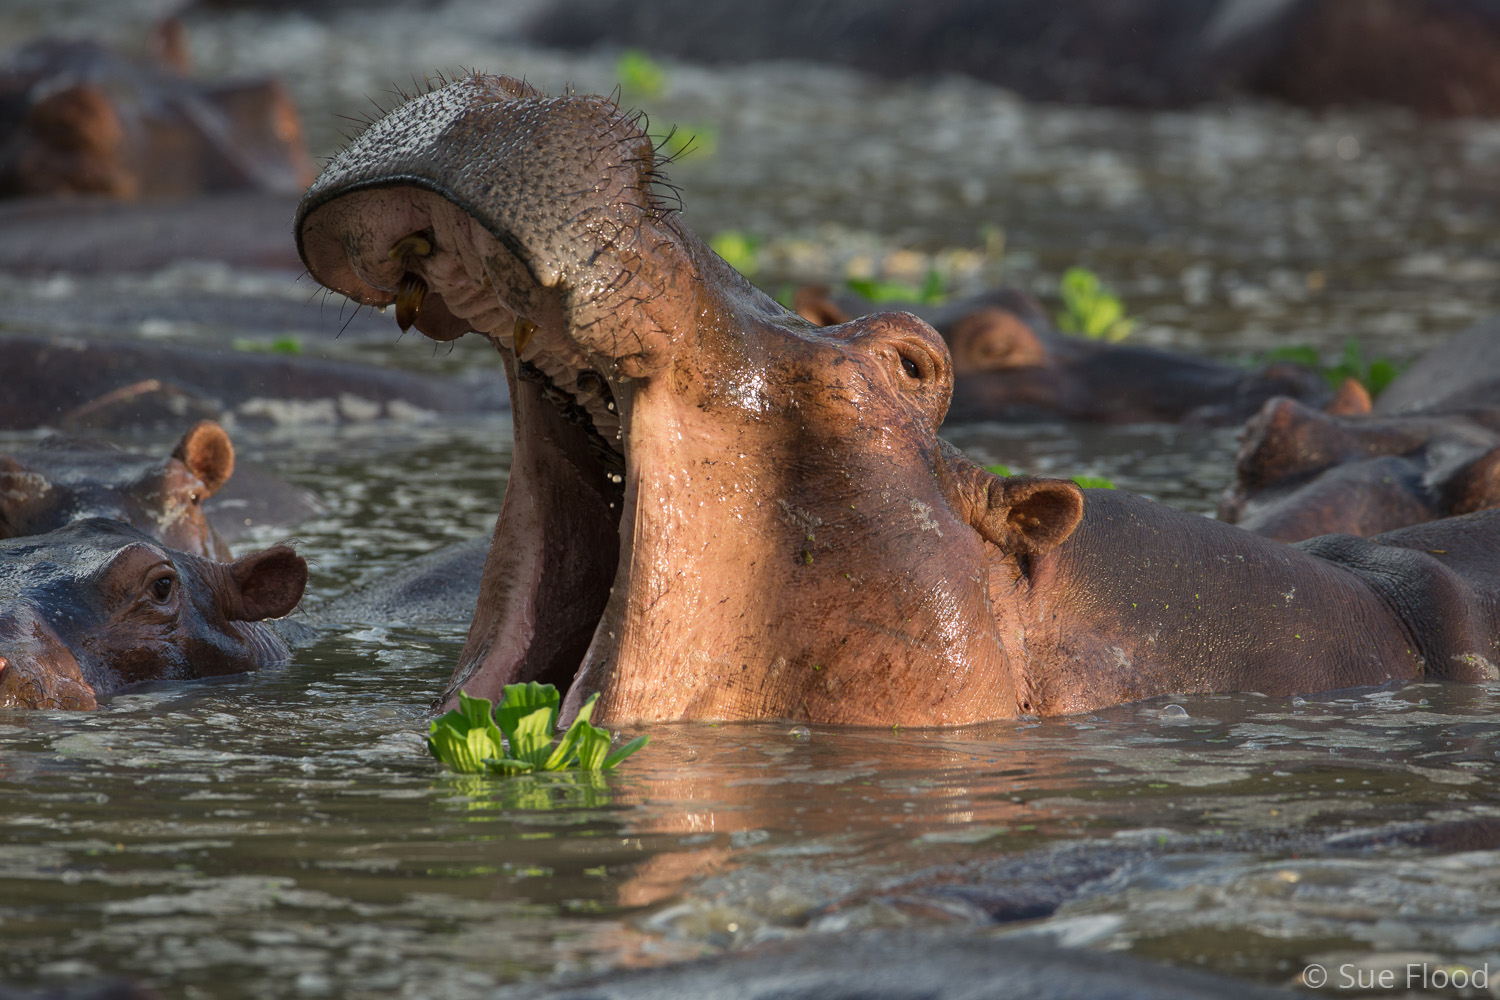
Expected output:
{"points": [[409, 296], [415, 245], [524, 329]]}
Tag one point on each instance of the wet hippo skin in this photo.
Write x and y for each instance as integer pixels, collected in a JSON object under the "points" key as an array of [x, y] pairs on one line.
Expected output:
{"points": [[97, 605], [718, 510]]}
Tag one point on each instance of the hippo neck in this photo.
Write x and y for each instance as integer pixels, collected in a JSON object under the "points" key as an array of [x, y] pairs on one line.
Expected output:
{"points": [[1143, 600]]}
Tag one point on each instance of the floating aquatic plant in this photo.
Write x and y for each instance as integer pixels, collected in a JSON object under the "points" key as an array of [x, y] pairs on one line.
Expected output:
{"points": [[1090, 309], [518, 736], [931, 293], [1087, 482], [640, 76], [1374, 375]]}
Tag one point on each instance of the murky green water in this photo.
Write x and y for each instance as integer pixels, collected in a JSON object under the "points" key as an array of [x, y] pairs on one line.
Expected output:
{"points": [[284, 834]]}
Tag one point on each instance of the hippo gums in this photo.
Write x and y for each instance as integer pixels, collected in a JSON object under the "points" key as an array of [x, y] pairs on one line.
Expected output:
{"points": [[717, 509], [98, 605], [68, 479]]}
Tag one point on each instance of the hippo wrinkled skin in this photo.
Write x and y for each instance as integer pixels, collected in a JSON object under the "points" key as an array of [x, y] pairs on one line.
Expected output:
{"points": [[68, 479], [718, 510], [98, 605]]}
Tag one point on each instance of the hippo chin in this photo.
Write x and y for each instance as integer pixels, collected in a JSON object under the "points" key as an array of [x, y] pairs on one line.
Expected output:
{"points": [[97, 605], [719, 510]]}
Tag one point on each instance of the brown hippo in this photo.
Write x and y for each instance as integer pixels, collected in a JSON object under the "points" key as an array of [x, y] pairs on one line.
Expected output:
{"points": [[1429, 447], [75, 118], [1011, 363], [98, 605], [718, 510], [68, 479]]}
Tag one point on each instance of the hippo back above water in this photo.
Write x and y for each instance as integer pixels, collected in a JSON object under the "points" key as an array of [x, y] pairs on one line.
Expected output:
{"points": [[718, 510], [97, 605]]}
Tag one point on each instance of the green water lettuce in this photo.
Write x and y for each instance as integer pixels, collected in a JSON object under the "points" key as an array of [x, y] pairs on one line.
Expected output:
{"points": [[517, 737], [1091, 309]]}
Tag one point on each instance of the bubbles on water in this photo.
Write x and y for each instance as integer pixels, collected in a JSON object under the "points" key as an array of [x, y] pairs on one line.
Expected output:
{"points": [[1173, 712], [799, 734]]}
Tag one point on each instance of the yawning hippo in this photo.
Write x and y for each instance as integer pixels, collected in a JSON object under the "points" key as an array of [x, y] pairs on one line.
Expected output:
{"points": [[98, 605], [719, 510], [68, 479]]}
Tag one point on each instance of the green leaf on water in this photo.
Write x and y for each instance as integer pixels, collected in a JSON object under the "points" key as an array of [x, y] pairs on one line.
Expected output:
{"points": [[1090, 309], [640, 76], [517, 737], [613, 760], [465, 737]]}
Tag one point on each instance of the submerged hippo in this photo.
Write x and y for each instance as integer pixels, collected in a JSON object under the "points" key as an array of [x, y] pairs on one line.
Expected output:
{"points": [[1011, 363], [68, 479], [75, 118], [98, 605], [1428, 448], [719, 510]]}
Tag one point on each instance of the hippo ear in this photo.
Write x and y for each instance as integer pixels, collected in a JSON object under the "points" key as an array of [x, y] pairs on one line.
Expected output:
{"points": [[1352, 400], [815, 304], [1031, 516], [1474, 487], [207, 450], [270, 582]]}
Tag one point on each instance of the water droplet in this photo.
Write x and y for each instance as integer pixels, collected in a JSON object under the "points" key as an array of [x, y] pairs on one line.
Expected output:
{"points": [[1173, 712], [800, 733]]}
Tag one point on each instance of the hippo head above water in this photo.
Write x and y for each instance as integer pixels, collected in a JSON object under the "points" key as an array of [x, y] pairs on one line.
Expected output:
{"points": [[66, 479], [715, 508], [718, 510], [97, 605]]}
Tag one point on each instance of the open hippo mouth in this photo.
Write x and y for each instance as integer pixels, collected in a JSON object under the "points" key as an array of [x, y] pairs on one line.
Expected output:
{"points": [[715, 509]]}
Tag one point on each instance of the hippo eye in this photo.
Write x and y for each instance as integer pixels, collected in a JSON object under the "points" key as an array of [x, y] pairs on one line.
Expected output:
{"points": [[910, 367], [161, 588]]}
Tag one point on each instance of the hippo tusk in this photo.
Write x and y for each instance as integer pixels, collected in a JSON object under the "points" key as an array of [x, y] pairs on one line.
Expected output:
{"points": [[415, 245], [524, 329], [409, 296]]}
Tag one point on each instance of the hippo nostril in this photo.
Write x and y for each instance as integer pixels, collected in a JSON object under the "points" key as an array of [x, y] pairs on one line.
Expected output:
{"points": [[409, 296]]}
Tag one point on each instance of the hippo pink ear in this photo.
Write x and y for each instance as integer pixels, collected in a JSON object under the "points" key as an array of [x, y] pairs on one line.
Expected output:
{"points": [[1028, 516], [270, 582], [207, 450], [1351, 400]]}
